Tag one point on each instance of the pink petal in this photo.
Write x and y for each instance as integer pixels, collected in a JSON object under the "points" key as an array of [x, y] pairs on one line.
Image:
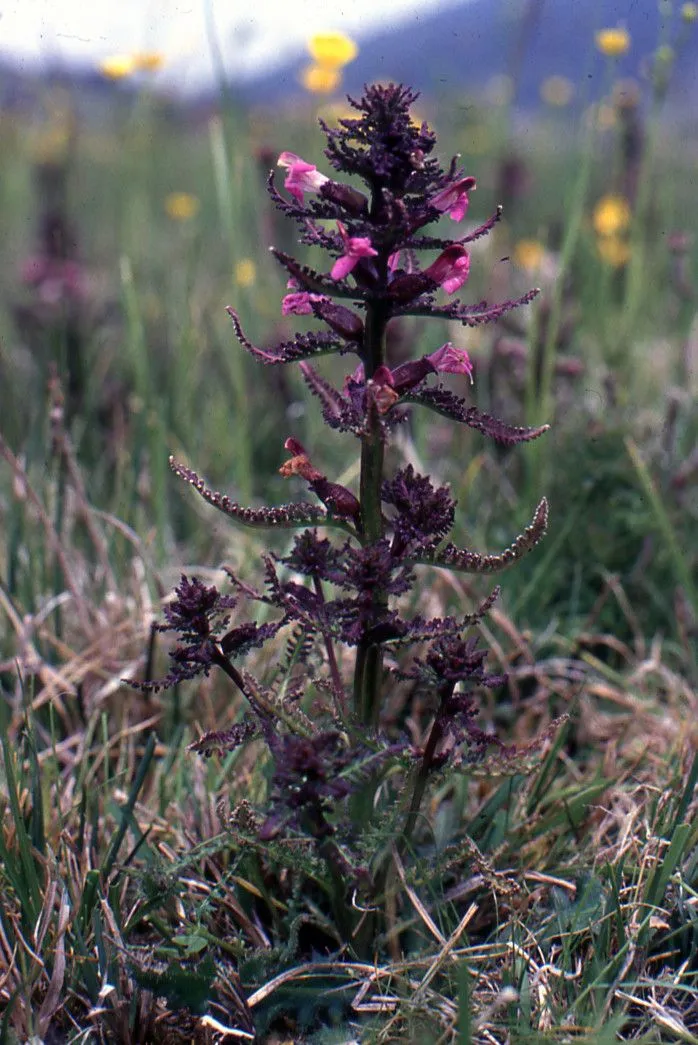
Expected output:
{"points": [[343, 266], [360, 247], [450, 360]]}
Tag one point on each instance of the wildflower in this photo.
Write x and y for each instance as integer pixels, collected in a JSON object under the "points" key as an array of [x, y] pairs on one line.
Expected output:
{"points": [[445, 360], [450, 360], [453, 200], [149, 61], [319, 80], [611, 215], [181, 206], [55, 279], [245, 272], [528, 254], [451, 268], [355, 248], [344, 592], [302, 177], [689, 12], [118, 66], [337, 498], [557, 91], [613, 250], [332, 50], [613, 42]]}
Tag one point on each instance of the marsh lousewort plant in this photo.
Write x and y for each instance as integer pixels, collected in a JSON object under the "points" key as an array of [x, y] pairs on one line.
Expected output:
{"points": [[346, 785]]}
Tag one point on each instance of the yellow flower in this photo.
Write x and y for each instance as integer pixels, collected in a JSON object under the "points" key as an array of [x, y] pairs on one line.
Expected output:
{"points": [[149, 61], [118, 66], [613, 42], [245, 272], [319, 80], [528, 254], [613, 250], [181, 206], [557, 90], [689, 12], [332, 50], [611, 215]]}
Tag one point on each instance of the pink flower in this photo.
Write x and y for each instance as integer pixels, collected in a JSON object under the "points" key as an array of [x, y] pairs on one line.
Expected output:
{"points": [[300, 303], [451, 268], [302, 177], [450, 360], [355, 247], [453, 200]]}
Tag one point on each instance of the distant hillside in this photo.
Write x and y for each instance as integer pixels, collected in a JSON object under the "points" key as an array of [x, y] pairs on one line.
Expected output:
{"points": [[452, 50], [463, 47]]}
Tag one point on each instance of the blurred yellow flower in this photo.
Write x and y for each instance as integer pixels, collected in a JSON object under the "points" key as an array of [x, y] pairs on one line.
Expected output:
{"points": [[528, 254], [689, 12], [611, 215], [332, 50], [245, 272], [181, 206], [118, 66], [149, 61], [320, 80], [613, 42], [557, 90], [613, 250]]}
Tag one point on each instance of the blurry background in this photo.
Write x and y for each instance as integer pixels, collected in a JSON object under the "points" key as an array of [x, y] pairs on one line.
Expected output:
{"points": [[135, 144], [438, 45]]}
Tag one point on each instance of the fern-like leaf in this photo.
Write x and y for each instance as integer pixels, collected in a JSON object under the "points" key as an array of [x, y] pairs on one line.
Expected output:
{"points": [[284, 517], [444, 402], [453, 558], [302, 346], [469, 315]]}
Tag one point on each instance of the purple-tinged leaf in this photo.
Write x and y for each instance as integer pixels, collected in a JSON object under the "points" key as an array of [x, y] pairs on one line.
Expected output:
{"points": [[446, 403], [314, 281], [434, 243], [226, 740], [286, 516], [452, 558], [303, 346], [469, 315]]}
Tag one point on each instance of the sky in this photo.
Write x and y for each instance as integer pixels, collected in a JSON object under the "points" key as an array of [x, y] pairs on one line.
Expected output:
{"points": [[248, 34]]}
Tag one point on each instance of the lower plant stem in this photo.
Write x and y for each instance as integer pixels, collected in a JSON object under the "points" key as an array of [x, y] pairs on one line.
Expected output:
{"points": [[422, 773], [337, 685], [369, 658]]}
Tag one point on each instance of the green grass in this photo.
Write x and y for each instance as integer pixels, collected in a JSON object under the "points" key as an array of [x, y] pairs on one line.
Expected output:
{"points": [[563, 907]]}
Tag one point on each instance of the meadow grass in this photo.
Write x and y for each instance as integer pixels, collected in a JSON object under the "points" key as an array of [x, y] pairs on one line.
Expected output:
{"points": [[126, 914]]}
